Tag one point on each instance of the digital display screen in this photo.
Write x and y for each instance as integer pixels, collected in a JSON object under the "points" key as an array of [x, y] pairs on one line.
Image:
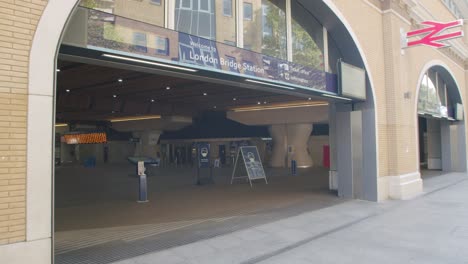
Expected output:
{"points": [[85, 138], [352, 81]]}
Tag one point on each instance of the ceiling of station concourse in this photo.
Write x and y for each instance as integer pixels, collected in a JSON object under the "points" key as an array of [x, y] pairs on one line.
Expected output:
{"points": [[98, 93]]}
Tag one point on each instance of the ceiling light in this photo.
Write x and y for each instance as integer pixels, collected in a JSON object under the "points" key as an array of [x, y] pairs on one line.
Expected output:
{"points": [[310, 99], [168, 87], [114, 95], [205, 94], [234, 99], [67, 90], [58, 70], [270, 84], [264, 102], [259, 103], [120, 80], [134, 118], [152, 100], [337, 97], [280, 106], [149, 62], [214, 107]]}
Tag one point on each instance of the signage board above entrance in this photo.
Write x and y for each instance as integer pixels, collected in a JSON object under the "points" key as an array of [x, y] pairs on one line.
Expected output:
{"points": [[431, 34], [132, 38]]}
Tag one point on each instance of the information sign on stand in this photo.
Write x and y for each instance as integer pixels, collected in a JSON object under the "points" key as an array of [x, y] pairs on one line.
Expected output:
{"points": [[252, 163], [204, 162], [143, 193], [203, 155]]}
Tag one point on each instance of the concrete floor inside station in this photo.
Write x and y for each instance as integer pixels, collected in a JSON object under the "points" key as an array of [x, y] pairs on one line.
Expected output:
{"points": [[97, 206]]}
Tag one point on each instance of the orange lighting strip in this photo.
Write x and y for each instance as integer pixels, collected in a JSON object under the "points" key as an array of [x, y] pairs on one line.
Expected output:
{"points": [[134, 118], [279, 106], [89, 138]]}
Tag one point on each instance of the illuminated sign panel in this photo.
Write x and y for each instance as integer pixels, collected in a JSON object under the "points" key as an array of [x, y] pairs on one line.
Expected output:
{"points": [[432, 36], [88, 138]]}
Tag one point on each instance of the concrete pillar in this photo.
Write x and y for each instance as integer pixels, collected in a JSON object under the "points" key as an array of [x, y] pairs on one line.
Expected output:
{"points": [[297, 138], [278, 156], [148, 142], [434, 146], [290, 142]]}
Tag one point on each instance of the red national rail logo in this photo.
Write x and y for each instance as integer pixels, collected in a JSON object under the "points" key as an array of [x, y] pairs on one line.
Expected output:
{"points": [[432, 36]]}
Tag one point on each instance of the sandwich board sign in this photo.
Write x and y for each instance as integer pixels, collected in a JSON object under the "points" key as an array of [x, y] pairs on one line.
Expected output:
{"points": [[248, 155]]}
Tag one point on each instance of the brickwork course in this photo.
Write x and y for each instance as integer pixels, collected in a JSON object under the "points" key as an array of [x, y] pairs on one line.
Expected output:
{"points": [[18, 21]]}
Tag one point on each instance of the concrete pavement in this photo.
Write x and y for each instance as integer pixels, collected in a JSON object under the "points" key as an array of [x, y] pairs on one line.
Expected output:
{"points": [[431, 228]]}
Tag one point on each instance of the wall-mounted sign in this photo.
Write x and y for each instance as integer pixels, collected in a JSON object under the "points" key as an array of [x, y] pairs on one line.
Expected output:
{"points": [[431, 35], [87, 138]]}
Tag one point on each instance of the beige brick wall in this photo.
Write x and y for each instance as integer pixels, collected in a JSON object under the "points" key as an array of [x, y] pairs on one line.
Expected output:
{"points": [[395, 74], [396, 119], [18, 20]]}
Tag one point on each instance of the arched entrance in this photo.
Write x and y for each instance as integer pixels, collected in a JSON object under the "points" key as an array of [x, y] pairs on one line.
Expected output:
{"points": [[41, 114], [441, 126]]}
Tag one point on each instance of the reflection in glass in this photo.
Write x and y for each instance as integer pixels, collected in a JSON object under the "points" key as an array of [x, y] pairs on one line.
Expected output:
{"points": [[264, 25], [247, 11], [227, 7], [307, 38], [196, 18], [207, 19], [226, 22], [139, 42], [148, 11], [432, 98], [270, 17]]}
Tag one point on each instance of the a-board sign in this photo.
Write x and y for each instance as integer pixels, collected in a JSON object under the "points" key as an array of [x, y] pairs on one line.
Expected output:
{"points": [[252, 162], [203, 155]]}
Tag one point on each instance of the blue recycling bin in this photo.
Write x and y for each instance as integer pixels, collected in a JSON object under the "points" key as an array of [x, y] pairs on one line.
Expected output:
{"points": [[90, 162]]}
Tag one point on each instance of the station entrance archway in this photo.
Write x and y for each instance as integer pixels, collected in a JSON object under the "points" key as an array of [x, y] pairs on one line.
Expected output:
{"points": [[441, 133], [42, 78]]}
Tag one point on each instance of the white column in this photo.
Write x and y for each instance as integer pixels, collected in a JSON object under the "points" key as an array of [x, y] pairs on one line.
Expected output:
{"points": [[434, 159]]}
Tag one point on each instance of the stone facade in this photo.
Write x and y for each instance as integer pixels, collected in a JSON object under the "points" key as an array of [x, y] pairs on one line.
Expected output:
{"points": [[18, 21], [395, 77]]}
